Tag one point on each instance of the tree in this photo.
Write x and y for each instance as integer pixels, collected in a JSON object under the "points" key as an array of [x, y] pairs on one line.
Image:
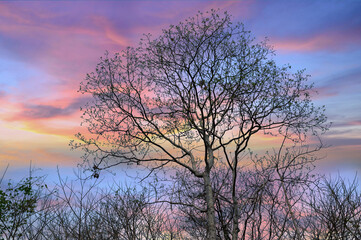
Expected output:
{"points": [[272, 196], [193, 97], [17, 204], [134, 214], [20, 206], [335, 209]]}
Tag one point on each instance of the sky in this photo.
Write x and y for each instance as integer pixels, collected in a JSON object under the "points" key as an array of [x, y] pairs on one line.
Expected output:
{"points": [[47, 47]]}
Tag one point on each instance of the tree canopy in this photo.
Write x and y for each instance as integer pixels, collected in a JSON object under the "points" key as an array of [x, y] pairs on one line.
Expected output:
{"points": [[193, 96]]}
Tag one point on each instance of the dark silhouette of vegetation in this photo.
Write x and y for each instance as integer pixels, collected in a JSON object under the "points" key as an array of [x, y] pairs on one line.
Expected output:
{"points": [[279, 200], [21, 207]]}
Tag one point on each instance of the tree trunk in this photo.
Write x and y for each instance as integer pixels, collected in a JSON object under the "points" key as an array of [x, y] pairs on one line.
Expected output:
{"points": [[235, 229], [211, 223]]}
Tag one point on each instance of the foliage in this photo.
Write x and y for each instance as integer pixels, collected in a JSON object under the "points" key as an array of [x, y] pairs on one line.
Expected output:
{"points": [[18, 203]]}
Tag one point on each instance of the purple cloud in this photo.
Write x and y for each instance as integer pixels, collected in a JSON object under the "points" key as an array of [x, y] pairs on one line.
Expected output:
{"points": [[42, 111]]}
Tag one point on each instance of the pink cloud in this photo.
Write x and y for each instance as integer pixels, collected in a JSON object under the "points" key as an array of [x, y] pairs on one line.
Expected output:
{"points": [[59, 117], [66, 53], [332, 40], [7, 12], [339, 157], [2, 95], [355, 123], [54, 45], [109, 31]]}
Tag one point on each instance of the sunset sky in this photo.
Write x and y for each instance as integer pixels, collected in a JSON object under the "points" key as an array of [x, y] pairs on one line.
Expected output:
{"points": [[47, 47]]}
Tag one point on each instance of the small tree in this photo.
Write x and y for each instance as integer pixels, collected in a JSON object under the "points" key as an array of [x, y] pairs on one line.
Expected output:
{"points": [[193, 97], [20, 205]]}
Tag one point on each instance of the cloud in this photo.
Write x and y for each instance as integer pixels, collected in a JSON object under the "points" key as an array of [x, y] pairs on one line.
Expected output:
{"points": [[6, 12], [42, 111], [58, 118], [38, 156], [110, 31], [347, 124], [335, 40], [306, 26], [2, 95], [347, 81], [340, 158], [342, 141], [61, 42]]}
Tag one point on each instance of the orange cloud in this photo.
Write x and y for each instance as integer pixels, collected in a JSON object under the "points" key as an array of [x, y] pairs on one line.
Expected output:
{"points": [[18, 147], [39, 157], [65, 129]]}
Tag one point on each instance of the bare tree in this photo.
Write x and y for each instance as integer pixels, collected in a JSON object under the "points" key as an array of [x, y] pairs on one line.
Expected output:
{"points": [[271, 196], [335, 209], [280, 183], [83, 210], [134, 213], [202, 87], [278, 198], [74, 207]]}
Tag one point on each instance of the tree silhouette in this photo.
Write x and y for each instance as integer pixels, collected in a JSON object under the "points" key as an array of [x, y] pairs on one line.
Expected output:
{"points": [[194, 97]]}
